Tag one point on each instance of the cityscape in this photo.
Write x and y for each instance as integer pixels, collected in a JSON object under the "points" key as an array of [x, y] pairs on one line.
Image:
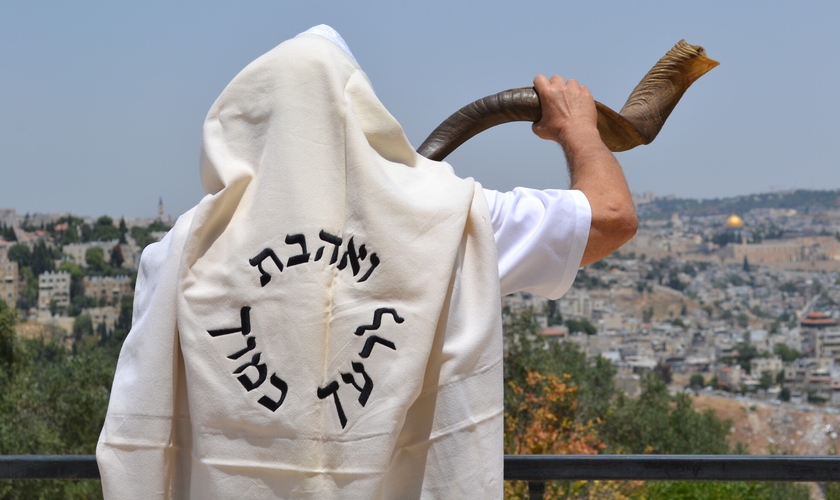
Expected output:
{"points": [[735, 300]]}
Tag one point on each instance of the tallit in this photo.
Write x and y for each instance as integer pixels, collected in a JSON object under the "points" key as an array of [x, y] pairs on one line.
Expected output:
{"points": [[325, 322]]}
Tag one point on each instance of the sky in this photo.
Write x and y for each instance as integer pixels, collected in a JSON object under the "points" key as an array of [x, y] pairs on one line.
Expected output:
{"points": [[102, 103]]}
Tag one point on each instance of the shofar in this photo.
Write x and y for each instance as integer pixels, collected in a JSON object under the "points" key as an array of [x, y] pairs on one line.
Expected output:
{"points": [[637, 123]]}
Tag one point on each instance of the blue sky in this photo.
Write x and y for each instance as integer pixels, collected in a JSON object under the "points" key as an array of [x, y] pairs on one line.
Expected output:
{"points": [[101, 103]]}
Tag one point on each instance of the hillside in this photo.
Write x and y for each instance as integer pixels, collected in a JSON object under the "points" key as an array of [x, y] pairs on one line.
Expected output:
{"points": [[804, 200], [776, 429]]}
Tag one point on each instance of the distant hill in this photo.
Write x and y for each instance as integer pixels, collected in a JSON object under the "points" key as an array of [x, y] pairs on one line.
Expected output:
{"points": [[803, 200]]}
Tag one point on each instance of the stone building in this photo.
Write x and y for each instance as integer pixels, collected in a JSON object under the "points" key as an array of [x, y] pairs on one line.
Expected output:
{"points": [[106, 315], [8, 281], [576, 303], [77, 251], [805, 249], [773, 366], [53, 287], [729, 378], [110, 289], [820, 335]]}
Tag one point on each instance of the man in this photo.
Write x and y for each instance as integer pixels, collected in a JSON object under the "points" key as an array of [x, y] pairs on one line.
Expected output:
{"points": [[325, 322], [544, 236]]}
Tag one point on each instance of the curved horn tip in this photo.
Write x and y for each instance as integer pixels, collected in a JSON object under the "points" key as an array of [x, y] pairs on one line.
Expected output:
{"points": [[699, 49]]}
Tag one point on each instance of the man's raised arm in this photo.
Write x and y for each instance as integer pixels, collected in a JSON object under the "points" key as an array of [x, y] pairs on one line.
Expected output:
{"points": [[570, 119]]}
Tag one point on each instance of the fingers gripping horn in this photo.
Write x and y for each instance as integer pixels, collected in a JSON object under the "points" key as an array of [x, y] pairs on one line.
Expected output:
{"points": [[638, 122]]}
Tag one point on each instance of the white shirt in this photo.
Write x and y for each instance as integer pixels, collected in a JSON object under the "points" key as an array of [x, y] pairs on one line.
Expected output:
{"points": [[540, 235], [540, 238]]}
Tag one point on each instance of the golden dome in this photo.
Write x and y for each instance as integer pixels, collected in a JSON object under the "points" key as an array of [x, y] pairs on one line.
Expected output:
{"points": [[734, 222]]}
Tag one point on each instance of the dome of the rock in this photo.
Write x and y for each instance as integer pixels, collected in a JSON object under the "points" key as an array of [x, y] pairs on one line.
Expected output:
{"points": [[734, 222]]}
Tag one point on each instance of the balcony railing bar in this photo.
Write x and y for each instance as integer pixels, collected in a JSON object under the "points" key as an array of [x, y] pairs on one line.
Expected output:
{"points": [[673, 467], [48, 467], [538, 468]]}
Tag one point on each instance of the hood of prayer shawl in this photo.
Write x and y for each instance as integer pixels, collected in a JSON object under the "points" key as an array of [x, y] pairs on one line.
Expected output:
{"points": [[332, 280]]}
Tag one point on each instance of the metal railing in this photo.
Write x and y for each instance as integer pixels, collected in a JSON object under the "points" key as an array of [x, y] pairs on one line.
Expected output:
{"points": [[536, 469]]}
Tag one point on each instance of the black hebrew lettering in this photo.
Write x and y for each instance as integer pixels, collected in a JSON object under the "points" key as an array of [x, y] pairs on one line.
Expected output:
{"points": [[355, 258], [261, 369], [351, 255], [284, 388], [246, 381], [332, 239], [258, 260], [244, 321], [364, 392], [303, 258], [373, 340], [377, 320], [374, 261], [332, 388], [251, 344]]}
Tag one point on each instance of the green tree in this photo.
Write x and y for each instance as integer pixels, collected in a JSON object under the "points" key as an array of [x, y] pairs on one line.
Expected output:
{"points": [[784, 395], [696, 381], [7, 340], [69, 236], [766, 380], [117, 256], [786, 353], [7, 233], [79, 303], [95, 259], [143, 235], [43, 259], [123, 231], [653, 423], [647, 314], [21, 254], [693, 490], [657, 423], [29, 297], [663, 371], [526, 351], [674, 282], [104, 229], [82, 326], [76, 277], [554, 316], [52, 402], [832, 491], [745, 352], [581, 325]]}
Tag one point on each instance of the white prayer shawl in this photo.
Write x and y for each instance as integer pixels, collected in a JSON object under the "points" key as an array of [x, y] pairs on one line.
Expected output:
{"points": [[325, 323]]}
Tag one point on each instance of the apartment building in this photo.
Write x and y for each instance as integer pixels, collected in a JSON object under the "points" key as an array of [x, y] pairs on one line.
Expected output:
{"points": [[53, 287]]}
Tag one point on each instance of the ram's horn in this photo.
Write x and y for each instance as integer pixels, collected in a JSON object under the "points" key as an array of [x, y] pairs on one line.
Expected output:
{"points": [[638, 122]]}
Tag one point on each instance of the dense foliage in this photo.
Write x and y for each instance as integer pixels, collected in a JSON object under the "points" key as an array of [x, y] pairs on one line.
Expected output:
{"points": [[557, 402], [52, 401]]}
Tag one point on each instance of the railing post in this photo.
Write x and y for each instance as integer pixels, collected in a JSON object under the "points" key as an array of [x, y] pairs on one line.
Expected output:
{"points": [[536, 490]]}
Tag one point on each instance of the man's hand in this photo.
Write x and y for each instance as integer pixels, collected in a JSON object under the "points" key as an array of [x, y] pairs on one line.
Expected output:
{"points": [[567, 110], [569, 118]]}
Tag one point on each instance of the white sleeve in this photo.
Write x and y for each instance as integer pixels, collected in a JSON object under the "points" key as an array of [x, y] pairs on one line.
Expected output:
{"points": [[540, 237]]}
